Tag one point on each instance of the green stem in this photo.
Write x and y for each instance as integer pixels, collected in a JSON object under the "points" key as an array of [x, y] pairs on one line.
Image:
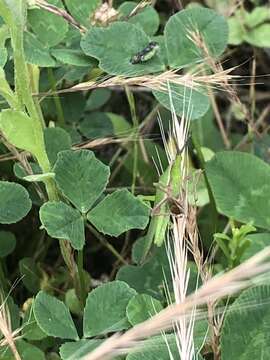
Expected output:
{"points": [[105, 243], [15, 18], [83, 291], [56, 99], [214, 213], [131, 102], [3, 278], [34, 84]]}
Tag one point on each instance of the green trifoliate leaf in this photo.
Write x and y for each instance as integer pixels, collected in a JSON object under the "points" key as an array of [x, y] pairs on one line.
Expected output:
{"points": [[53, 317], [7, 243], [79, 349], [31, 330], [72, 57], [26, 351], [142, 307], [31, 274], [183, 26], [192, 103], [105, 309], [61, 221], [49, 28], [163, 347], [36, 53], [96, 125], [241, 183], [22, 131], [245, 334], [128, 213], [97, 98], [56, 140], [4, 35], [14, 202], [82, 11], [147, 19], [115, 46], [81, 177]]}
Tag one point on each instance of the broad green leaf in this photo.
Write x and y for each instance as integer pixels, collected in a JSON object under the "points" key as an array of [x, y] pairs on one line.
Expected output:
{"points": [[61, 221], [36, 53], [7, 243], [73, 105], [76, 74], [72, 302], [26, 351], [81, 177], [49, 28], [157, 347], [205, 131], [236, 31], [245, 333], [82, 10], [56, 140], [145, 168], [114, 46], [105, 309], [142, 307], [160, 39], [20, 172], [6, 92], [72, 57], [259, 15], [240, 183], [97, 98], [261, 146], [121, 127], [31, 274], [14, 312], [147, 19], [96, 125], [79, 349], [128, 213], [14, 202], [257, 243], [4, 35], [259, 36], [13, 12], [22, 131], [30, 328], [181, 49], [193, 103], [149, 277], [53, 317]]}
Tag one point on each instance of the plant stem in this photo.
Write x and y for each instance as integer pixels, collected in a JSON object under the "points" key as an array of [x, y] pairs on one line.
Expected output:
{"points": [[83, 290], [56, 99], [214, 213], [105, 243], [23, 78], [34, 84], [131, 102]]}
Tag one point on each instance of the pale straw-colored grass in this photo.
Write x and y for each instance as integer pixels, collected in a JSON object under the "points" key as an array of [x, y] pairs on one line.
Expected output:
{"points": [[9, 336], [177, 248]]}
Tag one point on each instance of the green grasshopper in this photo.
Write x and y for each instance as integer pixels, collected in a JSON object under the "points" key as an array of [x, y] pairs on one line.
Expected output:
{"points": [[166, 203]]}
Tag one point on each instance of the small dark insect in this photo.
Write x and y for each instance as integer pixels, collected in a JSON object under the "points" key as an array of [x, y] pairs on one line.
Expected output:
{"points": [[146, 54]]}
